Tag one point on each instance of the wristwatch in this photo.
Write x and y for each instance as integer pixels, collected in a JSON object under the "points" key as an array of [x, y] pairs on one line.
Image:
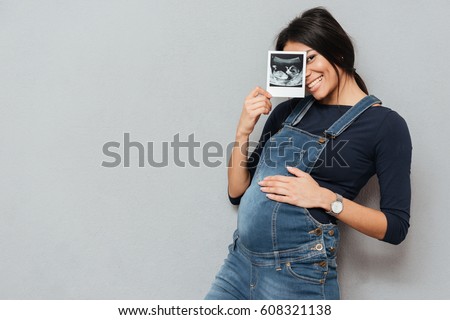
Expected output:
{"points": [[336, 206]]}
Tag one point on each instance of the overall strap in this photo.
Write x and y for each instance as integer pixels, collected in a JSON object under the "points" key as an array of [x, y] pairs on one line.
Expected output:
{"points": [[299, 111], [354, 112]]}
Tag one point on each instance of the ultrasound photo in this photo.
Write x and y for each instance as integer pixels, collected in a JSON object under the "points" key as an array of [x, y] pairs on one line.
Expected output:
{"points": [[285, 76]]}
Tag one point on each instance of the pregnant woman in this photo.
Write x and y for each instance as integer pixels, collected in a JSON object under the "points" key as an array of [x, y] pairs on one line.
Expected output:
{"points": [[314, 156]]}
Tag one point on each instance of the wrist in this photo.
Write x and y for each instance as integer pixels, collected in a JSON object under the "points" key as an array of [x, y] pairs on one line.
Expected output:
{"points": [[327, 197], [242, 137]]}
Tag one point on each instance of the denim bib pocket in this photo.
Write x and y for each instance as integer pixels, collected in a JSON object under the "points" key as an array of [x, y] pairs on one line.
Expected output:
{"points": [[279, 153]]}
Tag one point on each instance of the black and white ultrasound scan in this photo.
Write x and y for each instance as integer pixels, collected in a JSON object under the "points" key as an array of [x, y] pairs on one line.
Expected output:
{"points": [[285, 74]]}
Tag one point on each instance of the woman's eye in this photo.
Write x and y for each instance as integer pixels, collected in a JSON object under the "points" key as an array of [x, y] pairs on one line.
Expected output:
{"points": [[310, 58]]}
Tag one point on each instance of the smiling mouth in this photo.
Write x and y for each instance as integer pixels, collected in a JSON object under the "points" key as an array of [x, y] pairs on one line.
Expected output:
{"points": [[315, 82]]}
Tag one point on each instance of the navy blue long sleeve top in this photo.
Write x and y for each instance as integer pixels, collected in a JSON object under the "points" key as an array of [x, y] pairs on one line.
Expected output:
{"points": [[378, 142]]}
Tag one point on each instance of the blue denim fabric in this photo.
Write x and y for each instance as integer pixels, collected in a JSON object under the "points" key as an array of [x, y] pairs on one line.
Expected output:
{"points": [[279, 250], [307, 272]]}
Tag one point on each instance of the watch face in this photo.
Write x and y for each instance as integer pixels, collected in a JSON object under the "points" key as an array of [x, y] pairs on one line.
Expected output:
{"points": [[336, 207]]}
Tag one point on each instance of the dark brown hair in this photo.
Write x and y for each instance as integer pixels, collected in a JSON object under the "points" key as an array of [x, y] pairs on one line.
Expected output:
{"points": [[318, 29]]}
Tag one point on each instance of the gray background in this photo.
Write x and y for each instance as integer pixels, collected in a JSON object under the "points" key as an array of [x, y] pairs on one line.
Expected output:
{"points": [[77, 74]]}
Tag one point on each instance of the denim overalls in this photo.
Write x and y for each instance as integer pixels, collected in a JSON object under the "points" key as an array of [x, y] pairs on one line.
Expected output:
{"points": [[279, 250]]}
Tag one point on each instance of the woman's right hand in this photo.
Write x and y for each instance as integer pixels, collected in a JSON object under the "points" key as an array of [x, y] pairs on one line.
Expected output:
{"points": [[256, 104]]}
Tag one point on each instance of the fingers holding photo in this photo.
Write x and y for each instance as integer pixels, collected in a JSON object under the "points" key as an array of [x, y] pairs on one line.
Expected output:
{"points": [[260, 91]]}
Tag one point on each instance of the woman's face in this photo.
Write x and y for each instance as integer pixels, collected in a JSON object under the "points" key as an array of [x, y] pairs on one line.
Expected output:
{"points": [[321, 77]]}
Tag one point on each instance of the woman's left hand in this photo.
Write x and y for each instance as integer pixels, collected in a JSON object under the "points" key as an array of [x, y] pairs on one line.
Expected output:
{"points": [[301, 190]]}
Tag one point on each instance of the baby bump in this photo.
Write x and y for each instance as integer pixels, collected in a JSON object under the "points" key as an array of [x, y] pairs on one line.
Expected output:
{"points": [[266, 225]]}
